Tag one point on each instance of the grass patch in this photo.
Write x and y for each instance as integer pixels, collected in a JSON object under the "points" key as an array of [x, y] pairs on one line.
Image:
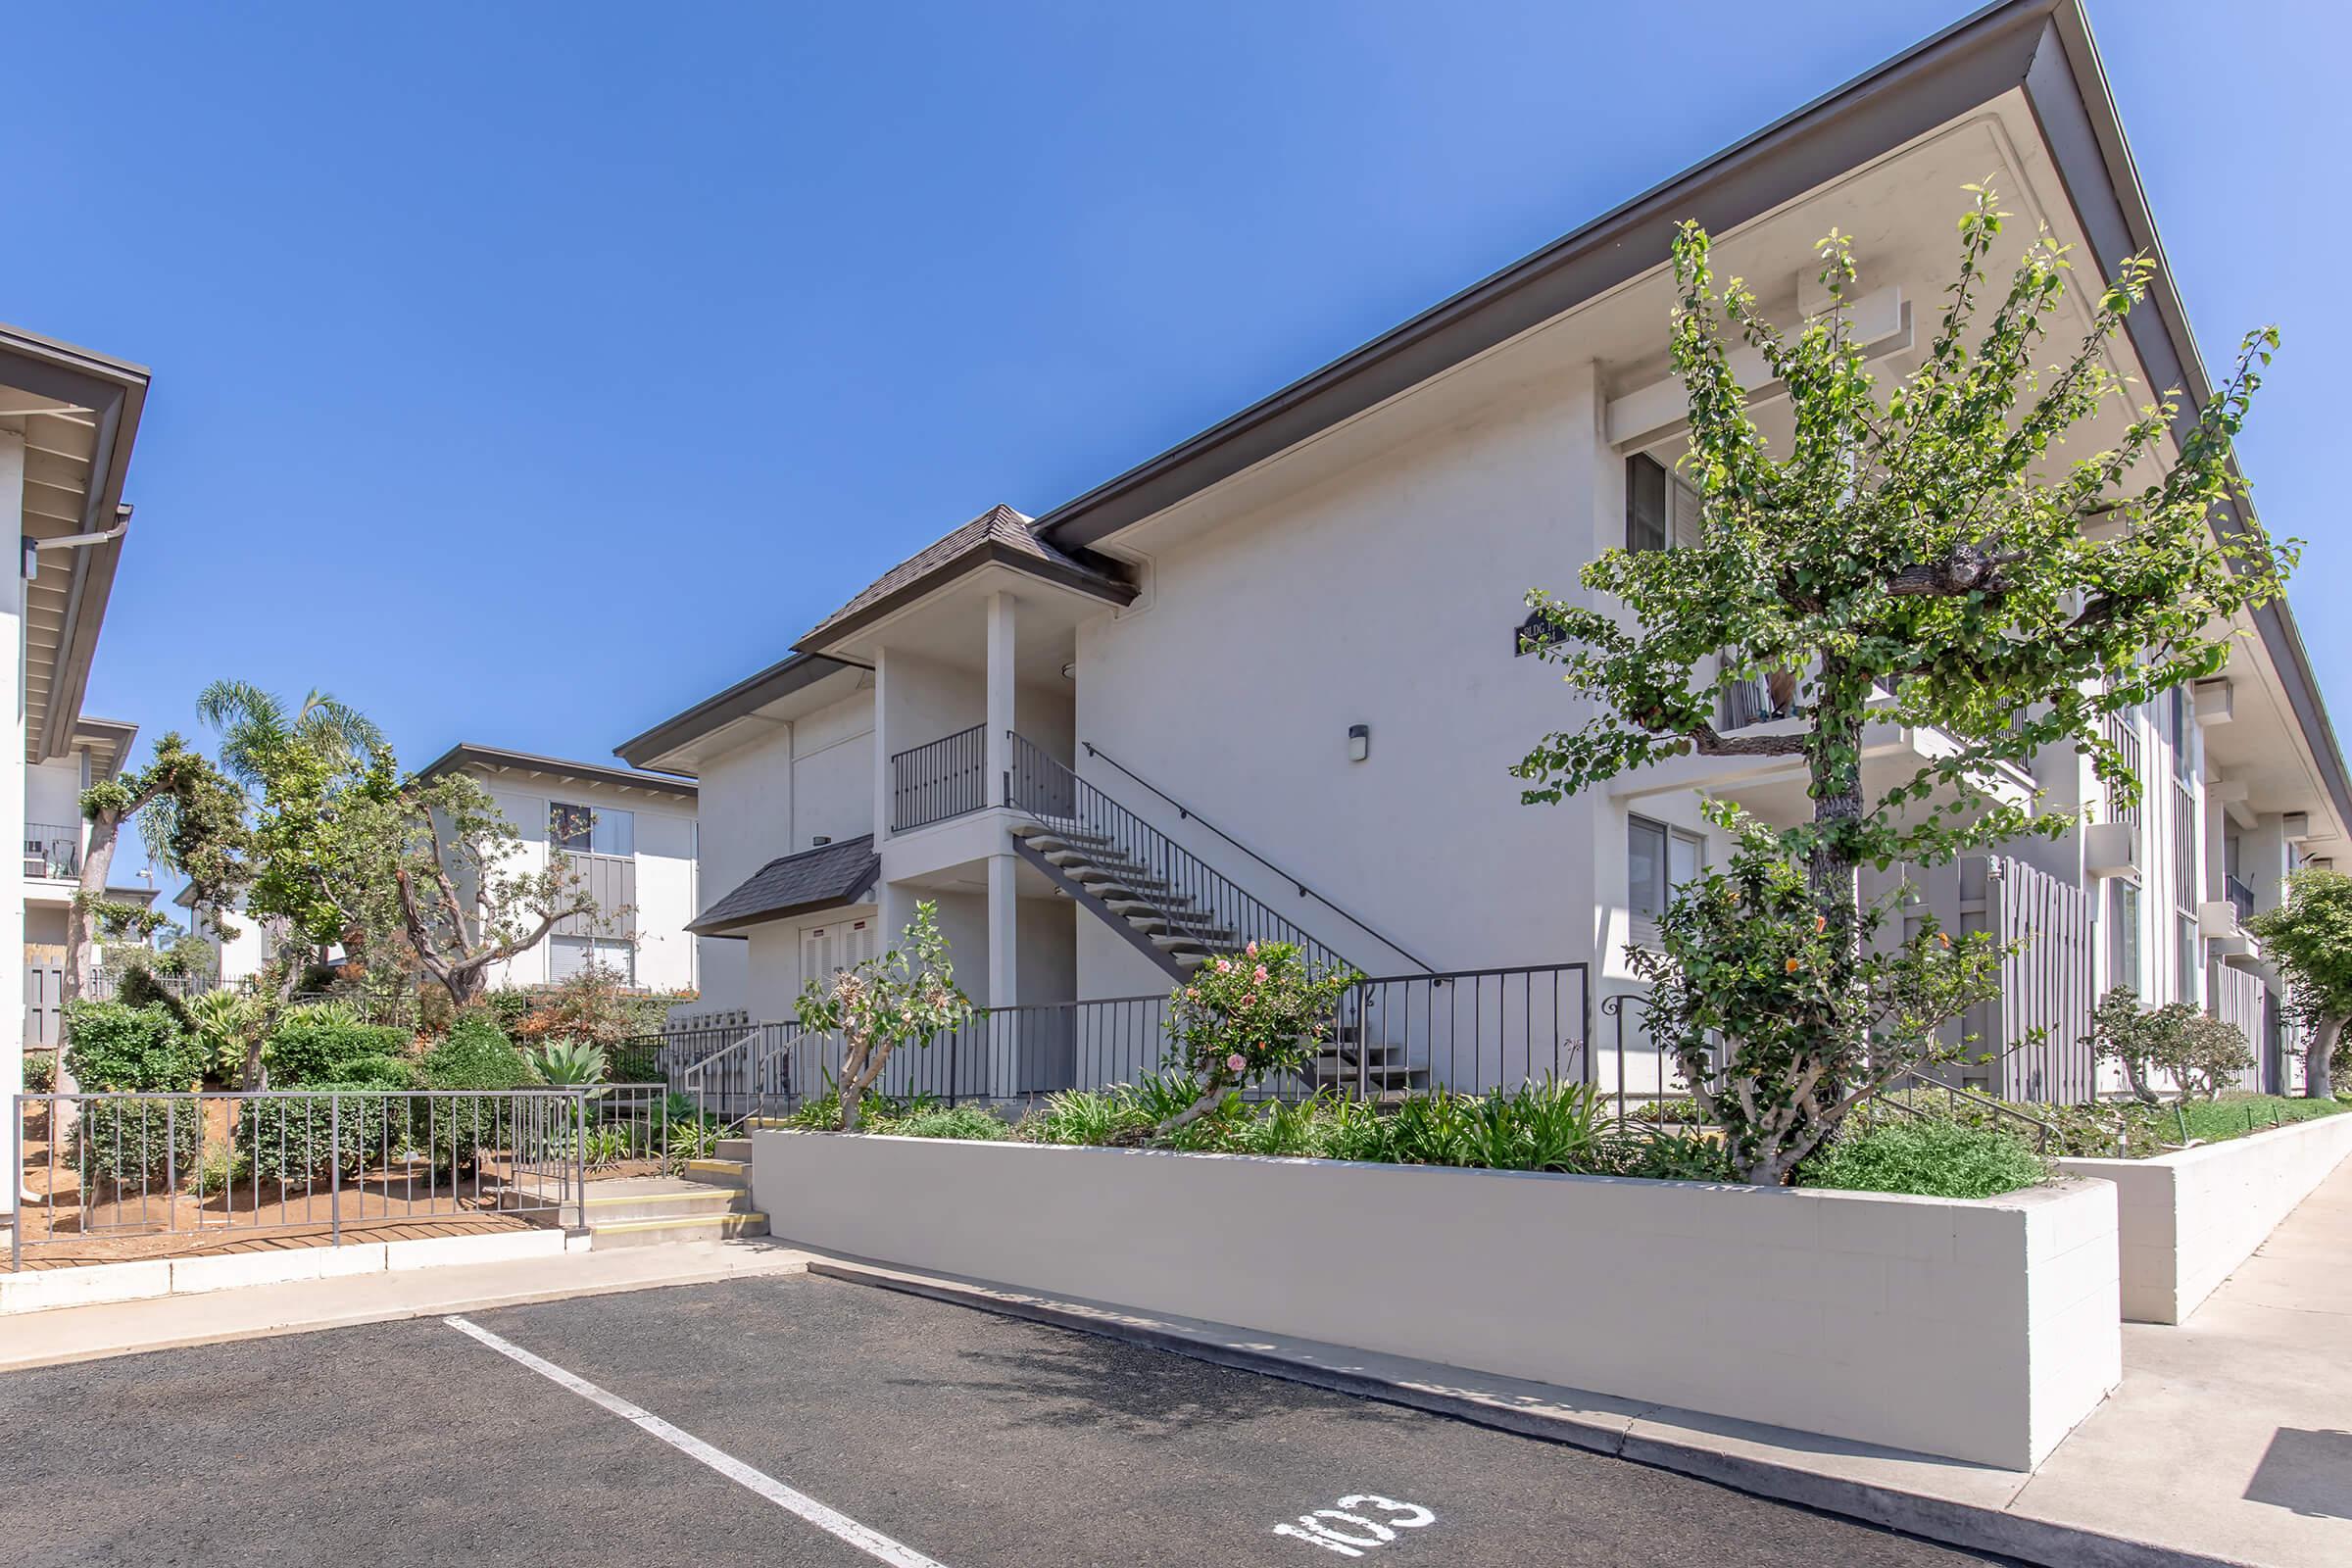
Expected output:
{"points": [[1928, 1157], [2095, 1131]]}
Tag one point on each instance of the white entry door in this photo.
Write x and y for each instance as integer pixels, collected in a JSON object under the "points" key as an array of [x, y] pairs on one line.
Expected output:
{"points": [[826, 949]]}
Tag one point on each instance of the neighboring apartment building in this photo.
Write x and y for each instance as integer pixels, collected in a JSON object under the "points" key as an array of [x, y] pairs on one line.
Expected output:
{"points": [[1270, 683], [68, 421], [632, 836]]}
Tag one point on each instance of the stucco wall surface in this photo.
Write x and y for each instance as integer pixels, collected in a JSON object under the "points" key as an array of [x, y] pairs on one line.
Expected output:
{"points": [[1983, 1331]]}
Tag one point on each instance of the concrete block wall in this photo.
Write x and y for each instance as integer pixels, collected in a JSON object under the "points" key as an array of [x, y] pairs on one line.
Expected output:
{"points": [[1981, 1331], [2188, 1219]]}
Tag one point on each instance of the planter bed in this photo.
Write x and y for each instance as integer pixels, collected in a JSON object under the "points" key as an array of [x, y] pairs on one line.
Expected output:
{"points": [[1979, 1329], [2188, 1219]]}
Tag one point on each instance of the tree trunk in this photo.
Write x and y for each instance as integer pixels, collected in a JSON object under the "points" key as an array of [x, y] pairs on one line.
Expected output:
{"points": [[82, 938], [2136, 1074], [1833, 764], [2318, 1082]]}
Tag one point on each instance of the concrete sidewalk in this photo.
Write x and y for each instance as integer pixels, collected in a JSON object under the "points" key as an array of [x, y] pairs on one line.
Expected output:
{"points": [[2233, 1433], [2226, 1443], [125, 1328]]}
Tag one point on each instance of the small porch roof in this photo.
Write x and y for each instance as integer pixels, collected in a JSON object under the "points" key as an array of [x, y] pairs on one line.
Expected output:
{"points": [[827, 877]]}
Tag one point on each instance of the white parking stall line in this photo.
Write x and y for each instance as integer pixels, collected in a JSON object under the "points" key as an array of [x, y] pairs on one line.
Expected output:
{"points": [[872, 1543]]}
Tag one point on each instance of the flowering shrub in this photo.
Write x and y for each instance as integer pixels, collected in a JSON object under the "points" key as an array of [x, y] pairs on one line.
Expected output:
{"points": [[1246, 1016], [902, 998]]}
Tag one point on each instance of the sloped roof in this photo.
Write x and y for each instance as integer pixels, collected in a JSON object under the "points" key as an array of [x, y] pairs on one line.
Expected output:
{"points": [[822, 878], [998, 535]]}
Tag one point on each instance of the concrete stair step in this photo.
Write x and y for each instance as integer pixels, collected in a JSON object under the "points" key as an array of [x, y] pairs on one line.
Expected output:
{"points": [[732, 1148], [719, 1172], [1177, 941], [658, 1232], [698, 1200]]}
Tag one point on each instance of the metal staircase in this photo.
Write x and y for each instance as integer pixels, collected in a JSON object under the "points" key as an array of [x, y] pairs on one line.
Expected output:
{"points": [[1178, 911]]}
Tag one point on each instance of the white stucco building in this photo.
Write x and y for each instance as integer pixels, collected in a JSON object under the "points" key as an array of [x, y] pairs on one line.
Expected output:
{"points": [[68, 420], [633, 836], [1271, 679]]}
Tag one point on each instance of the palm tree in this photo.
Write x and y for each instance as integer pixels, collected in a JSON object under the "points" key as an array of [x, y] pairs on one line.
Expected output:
{"points": [[252, 722]]}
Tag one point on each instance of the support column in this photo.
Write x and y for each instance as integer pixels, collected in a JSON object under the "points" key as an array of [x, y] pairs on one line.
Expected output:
{"points": [[1005, 1040], [1003, 908], [12, 814], [1002, 718], [881, 748]]}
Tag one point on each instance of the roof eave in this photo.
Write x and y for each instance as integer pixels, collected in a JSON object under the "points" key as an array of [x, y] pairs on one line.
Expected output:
{"points": [[469, 754], [832, 634], [747, 695], [1968, 62]]}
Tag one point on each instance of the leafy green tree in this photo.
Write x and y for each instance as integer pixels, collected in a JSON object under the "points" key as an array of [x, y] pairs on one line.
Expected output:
{"points": [[1927, 557], [902, 997], [192, 820], [2198, 1051], [2309, 938], [436, 885]]}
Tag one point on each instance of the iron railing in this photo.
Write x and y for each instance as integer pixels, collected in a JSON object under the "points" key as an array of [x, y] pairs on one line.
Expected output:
{"points": [[1185, 813], [206, 1168], [939, 779], [1185, 890], [1749, 702], [2241, 894], [55, 849], [1471, 1030], [106, 984]]}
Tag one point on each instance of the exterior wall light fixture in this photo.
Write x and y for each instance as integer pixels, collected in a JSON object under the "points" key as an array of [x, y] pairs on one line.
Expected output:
{"points": [[1359, 742]]}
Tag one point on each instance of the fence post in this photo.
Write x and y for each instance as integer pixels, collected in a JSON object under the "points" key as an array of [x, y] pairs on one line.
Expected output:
{"points": [[16, 1160], [579, 1151], [334, 1167]]}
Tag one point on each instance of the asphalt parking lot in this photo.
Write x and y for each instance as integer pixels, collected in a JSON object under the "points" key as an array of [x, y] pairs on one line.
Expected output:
{"points": [[801, 1420]]}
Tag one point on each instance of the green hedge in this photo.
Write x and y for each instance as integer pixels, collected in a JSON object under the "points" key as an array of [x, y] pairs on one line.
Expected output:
{"points": [[124, 1147], [301, 1139], [311, 1045], [114, 1047]]}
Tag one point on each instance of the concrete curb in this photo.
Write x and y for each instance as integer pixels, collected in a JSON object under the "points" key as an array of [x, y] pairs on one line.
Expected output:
{"points": [[99, 1284], [268, 1324], [1943, 1519]]}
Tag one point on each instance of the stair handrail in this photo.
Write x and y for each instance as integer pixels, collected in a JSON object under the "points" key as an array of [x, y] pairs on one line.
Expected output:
{"points": [[1185, 813], [1039, 773]]}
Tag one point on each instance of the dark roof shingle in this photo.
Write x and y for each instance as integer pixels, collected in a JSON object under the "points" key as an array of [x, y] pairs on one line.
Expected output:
{"points": [[829, 875], [999, 529]]}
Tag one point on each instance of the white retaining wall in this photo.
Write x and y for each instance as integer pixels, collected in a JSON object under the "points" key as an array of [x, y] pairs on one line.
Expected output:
{"points": [[90, 1283], [1981, 1331], [2188, 1219]]}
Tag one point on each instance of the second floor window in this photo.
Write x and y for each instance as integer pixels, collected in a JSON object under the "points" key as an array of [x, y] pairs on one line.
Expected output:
{"points": [[584, 830]]}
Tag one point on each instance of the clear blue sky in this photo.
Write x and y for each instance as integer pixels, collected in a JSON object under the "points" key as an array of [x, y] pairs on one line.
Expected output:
{"points": [[524, 374]]}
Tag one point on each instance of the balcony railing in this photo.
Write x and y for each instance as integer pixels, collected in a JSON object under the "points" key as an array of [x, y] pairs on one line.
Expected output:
{"points": [[2241, 894], [939, 779], [2121, 734], [53, 850]]}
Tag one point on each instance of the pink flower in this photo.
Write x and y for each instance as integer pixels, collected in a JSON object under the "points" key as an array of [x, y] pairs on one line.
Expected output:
{"points": [[1251, 950], [1236, 1062], [1250, 1000], [1223, 967], [1261, 974]]}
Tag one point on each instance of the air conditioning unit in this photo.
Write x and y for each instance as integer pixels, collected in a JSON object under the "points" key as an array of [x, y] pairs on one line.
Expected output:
{"points": [[2111, 849]]}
